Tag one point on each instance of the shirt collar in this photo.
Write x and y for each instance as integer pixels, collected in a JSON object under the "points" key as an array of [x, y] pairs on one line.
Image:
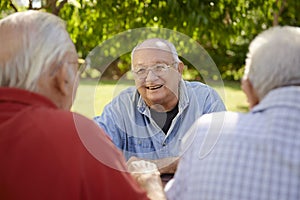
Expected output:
{"points": [[183, 99], [183, 96], [283, 96], [24, 97]]}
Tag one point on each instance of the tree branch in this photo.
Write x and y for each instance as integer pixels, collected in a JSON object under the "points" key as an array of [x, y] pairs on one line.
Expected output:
{"points": [[13, 6], [280, 10], [59, 7], [282, 7], [30, 6]]}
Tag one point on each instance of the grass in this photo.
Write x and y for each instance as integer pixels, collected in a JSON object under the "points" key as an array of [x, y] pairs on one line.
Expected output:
{"points": [[92, 97]]}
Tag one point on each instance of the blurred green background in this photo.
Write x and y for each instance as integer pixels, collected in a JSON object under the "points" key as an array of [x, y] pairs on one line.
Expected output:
{"points": [[223, 28], [92, 96]]}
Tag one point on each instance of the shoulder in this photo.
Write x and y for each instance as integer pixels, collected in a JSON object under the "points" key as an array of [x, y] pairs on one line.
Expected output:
{"points": [[61, 118], [121, 103], [64, 123], [128, 91], [195, 85], [223, 118], [197, 89], [216, 122], [209, 127]]}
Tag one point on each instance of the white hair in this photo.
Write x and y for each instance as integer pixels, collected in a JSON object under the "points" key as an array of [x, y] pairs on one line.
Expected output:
{"points": [[157, 43], [41, 41], [274, 59]]}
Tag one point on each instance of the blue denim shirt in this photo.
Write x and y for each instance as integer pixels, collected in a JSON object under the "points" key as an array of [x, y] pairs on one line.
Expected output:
{"points": [[127, 120]]}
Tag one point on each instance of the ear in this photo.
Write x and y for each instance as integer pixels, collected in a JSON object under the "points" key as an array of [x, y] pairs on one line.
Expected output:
{"points": [[250, 92], [180, 67], [65, 77]]}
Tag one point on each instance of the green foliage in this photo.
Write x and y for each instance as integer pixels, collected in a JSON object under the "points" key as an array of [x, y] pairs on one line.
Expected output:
{"points": [[5, 8], [224, 28]]}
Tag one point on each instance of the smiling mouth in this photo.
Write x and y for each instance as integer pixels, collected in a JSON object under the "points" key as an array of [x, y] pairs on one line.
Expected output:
{"points": [[154, 87]]}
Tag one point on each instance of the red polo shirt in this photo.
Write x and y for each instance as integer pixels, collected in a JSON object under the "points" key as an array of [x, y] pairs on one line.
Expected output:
{"points": [[48, 153]]}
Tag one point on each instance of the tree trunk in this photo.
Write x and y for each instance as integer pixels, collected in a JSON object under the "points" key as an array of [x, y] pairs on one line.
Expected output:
{"points": [[281, 5]]}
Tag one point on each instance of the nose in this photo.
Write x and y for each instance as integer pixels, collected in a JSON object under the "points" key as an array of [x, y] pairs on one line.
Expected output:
{"points": [[151, 76]]}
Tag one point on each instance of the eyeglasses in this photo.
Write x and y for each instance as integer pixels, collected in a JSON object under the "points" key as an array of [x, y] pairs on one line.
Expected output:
{"points": [[82, 66], [158, 69]]}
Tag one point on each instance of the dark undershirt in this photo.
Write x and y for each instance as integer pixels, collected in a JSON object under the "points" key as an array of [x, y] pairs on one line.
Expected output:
{"points": [[164, 119]]}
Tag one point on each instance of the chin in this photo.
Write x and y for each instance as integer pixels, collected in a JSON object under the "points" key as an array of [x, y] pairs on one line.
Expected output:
{"points": [[155, 101]]}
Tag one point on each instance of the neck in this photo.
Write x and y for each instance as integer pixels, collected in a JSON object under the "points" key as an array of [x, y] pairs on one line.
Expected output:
{"points": [[162, 108]]}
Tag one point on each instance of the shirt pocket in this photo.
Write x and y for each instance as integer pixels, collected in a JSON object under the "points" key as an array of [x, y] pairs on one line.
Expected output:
{"points": [[140, 145]]}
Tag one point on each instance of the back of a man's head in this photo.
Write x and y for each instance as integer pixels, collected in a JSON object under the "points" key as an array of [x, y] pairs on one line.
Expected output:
{"points": [[273, 60], [31, 43]]}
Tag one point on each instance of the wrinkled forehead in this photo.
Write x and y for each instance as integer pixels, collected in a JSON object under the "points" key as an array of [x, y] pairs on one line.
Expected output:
{"points": [[154, 44], [151, 56], [153, 49]]}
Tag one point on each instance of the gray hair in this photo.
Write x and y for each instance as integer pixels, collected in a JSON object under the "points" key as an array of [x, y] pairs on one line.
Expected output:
{"points": [[41, 41], [274, 59], [157, 43]]}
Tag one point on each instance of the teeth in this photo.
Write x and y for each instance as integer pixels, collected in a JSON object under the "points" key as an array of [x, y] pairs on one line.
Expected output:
{"points": [[154, 87]]}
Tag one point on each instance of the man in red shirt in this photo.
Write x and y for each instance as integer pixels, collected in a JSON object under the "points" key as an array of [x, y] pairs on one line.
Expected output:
{"points": [[46, 151]]}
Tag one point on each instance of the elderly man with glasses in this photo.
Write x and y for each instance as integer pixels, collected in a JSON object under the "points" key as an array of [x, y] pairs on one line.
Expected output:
{"points": [[148, 121]]}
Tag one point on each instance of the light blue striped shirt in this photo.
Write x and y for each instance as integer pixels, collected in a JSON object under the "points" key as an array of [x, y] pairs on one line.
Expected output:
{"points": [[127, 120], [244, 156]]}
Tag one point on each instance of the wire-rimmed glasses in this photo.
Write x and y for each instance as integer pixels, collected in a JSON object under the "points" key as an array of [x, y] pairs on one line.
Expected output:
{"points": [[158, 69]]}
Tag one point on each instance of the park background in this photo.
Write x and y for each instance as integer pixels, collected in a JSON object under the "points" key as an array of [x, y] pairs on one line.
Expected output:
{"points": [[224, 28]]}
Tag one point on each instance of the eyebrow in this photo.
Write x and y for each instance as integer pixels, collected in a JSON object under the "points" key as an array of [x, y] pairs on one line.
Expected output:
{"points": [[157, 62]]}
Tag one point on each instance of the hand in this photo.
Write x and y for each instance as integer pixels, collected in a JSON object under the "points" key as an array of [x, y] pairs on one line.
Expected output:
{"points": [[164, 165], [167, 165], [143, 171], [147, 176]]}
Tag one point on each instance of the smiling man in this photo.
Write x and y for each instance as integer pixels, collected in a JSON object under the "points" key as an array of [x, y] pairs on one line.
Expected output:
{"points": [[149, 120]]}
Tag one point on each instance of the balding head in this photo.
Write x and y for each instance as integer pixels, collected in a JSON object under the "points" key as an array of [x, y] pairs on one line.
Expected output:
{"points": [[159, 44]]}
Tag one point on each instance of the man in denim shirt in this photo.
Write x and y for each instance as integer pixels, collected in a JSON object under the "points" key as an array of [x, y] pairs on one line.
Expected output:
{"points": [[148, 121]]}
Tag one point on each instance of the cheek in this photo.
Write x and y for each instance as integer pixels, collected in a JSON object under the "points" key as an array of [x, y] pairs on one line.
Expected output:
{"points": [[139, 86], [141, 90], [173, 88], [138, 83], [172, 82]]}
